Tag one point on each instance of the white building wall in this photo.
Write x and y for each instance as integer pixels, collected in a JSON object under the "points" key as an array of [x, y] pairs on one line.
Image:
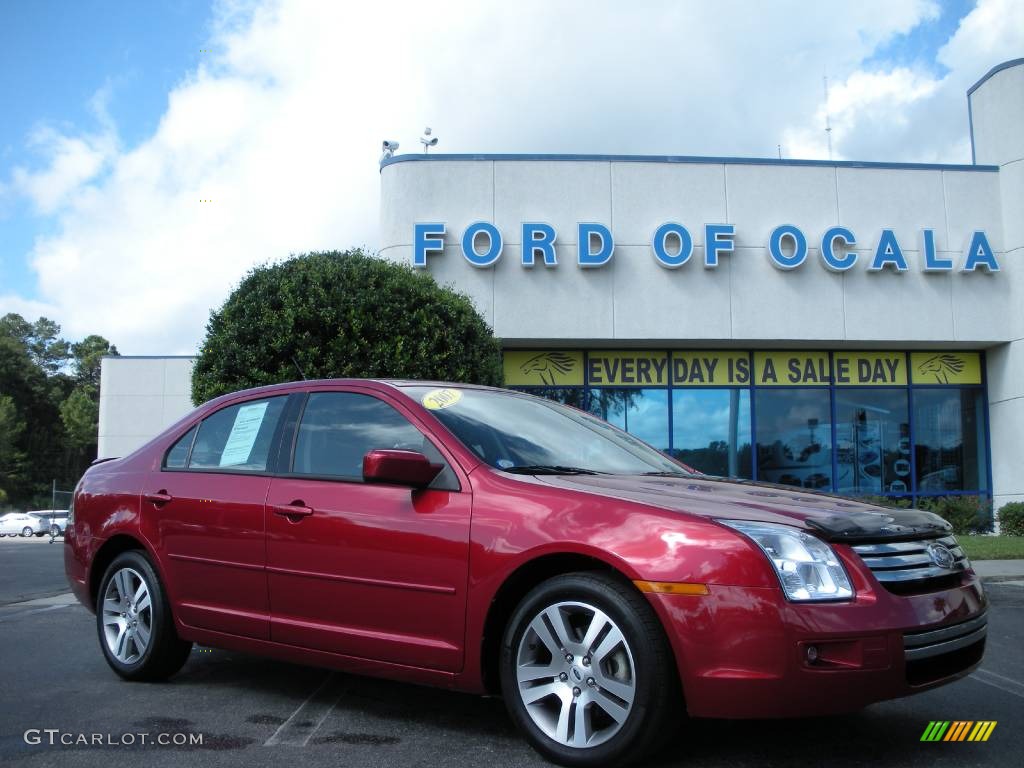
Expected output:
{"points": [[746, 302], [997, 117], [139, 398]]}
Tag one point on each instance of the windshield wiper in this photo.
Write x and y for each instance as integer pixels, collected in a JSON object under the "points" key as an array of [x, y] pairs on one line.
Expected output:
{"points": [[549, 469], [666, 473]]}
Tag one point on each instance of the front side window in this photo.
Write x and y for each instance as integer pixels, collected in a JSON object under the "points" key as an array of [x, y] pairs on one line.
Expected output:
{"points": [[339, 428], [513, 431], [237, 438]]}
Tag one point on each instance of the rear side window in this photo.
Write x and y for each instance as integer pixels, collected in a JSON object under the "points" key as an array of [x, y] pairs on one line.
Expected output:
{"points": [[177, 457], [339, 428], [237, 438]]}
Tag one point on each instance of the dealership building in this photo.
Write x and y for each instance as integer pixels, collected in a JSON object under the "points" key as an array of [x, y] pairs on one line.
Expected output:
{"points": [[846, 326]]}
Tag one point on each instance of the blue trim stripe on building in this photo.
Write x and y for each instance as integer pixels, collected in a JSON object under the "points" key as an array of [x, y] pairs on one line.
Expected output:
{"points": [[970, 91], [995, 70], [688, 159]]}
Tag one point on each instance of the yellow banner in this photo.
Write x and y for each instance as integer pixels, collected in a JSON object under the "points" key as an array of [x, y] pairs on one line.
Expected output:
{"points": [[875, 369], [627, 369], [695, 369], [536, 368], [783, 369], [945, 367]]}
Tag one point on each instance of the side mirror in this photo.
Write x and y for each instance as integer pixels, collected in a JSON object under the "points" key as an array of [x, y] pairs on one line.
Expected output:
{"points": [[399, 467]]}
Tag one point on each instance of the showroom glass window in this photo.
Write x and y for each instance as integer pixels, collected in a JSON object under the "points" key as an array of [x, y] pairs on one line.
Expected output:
{"points": [[950, 440], [794, 437], [641, 412], [872, 441], [711, 430]]}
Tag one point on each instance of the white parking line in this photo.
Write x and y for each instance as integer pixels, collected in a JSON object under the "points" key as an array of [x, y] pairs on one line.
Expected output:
{"points": [[39, 605], [297, 730], [1007, 684], [30, 611], [64, 598]]}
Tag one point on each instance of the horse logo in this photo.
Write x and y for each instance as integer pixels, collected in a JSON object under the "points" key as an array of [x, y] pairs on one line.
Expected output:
{"points": [[941, 366], [548, 365]]}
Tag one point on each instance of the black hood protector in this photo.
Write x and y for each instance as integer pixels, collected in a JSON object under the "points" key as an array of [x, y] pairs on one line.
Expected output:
{"points": [[887, 524]]}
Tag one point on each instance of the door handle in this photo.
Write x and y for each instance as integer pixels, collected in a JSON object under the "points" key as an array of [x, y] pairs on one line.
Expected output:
{"points": [[295, 509], [159, 498]]}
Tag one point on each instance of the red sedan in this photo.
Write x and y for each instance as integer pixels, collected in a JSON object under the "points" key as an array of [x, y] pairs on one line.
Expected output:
{"points": [[490, 541]]}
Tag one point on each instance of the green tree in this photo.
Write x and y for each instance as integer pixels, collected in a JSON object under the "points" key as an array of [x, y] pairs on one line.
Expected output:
{"points": [[48, 411], [342, 314], [41, 339], [12, 459], [86, 357], [80, 413]]}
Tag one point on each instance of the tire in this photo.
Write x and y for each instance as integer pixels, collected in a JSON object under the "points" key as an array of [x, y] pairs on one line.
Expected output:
{"points": [[130, 651], [628, 690], [54, 531], [26, 531]]}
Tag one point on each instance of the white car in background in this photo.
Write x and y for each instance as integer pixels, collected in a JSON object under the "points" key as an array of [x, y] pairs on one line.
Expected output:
{"points": [[51, 521], [19, 524]]}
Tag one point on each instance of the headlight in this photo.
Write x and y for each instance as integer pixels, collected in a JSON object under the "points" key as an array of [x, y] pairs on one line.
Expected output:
{"points": [[806, 566]]}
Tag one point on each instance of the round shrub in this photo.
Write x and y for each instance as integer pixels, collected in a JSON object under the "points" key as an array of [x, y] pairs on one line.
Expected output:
{"points": [[333, 315], [967, 514], [1011, 519]]}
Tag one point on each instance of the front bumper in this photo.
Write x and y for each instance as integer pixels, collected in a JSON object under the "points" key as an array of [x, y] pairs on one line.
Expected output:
{"points": [[742, 652]]}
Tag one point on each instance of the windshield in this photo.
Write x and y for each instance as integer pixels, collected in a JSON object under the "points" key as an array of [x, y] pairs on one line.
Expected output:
{"points": [[518, 432]]}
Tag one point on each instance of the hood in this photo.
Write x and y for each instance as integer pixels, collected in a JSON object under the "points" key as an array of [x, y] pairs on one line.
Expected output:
{"points": [[832, 517]]}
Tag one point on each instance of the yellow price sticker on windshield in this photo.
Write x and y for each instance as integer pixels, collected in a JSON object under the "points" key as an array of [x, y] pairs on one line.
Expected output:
{"points": [[436, 399]]}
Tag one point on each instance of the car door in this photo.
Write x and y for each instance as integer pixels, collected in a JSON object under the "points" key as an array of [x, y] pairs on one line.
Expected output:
{"points": [[206, 509], [374, 571]]}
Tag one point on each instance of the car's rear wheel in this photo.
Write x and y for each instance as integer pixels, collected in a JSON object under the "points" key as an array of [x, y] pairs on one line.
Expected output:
{"points": [[54, 531], [586, 672], [133, 617], [26, 531]]}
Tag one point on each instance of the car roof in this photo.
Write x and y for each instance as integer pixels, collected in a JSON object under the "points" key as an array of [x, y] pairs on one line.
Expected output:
{"points": [[291, 386]]}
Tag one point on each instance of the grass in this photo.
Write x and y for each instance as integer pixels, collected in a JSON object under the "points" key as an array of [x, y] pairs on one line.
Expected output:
{"points": [[993, 547]]}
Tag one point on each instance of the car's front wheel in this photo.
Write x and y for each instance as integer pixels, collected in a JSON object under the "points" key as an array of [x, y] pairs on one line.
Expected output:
{"points": [[133, 617], [586, 671]]}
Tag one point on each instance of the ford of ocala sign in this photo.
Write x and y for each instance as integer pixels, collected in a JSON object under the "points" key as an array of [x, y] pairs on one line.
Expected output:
{"points": [[672, 247]]}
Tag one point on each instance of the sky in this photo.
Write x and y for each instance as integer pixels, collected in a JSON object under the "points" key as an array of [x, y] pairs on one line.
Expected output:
{"points": [[152, 153]]}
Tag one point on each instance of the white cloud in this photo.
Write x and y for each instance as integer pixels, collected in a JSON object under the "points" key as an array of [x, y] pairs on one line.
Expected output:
{"points": [[26, 307], [281, 128], [914, 115], [72, 161]]}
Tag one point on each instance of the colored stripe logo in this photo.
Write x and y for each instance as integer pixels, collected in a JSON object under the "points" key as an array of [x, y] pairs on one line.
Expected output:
{"points": [[959, 730]]}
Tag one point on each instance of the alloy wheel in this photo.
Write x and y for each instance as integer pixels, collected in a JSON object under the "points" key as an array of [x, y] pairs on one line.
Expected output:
{"points": [[127, 615], [575, 674]]}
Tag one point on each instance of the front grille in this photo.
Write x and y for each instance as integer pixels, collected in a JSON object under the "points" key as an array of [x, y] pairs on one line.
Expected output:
{"points": [[907, 567], [938, 653]]}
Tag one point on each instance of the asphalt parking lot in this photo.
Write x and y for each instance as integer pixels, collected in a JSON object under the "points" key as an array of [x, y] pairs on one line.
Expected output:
{"points": [[259, 713]]}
